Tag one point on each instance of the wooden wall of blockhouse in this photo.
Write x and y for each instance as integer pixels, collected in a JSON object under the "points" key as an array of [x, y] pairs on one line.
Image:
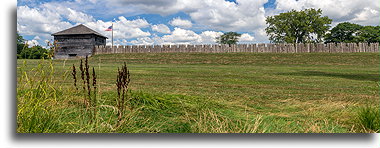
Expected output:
{"points": [[70, 46]]}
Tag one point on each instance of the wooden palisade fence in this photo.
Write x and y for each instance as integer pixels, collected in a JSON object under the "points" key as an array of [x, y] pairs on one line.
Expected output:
{"points": [[272, 48]]}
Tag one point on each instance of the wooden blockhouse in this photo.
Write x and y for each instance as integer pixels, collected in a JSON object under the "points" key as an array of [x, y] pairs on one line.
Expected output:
{"points": [[78, 41]]}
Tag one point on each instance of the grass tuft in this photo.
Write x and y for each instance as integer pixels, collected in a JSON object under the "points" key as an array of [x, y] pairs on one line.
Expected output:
{"points": [[369, 119]]}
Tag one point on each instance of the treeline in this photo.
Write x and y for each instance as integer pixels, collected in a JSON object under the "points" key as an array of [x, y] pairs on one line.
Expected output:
{"points": [[309, 26], [353, 33], [26, 52]]}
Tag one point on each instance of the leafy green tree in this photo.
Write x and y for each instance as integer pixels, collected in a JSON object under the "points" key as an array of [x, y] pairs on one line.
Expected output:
{"points": [[303, 26], [228, 38], [35, 52], [353, 33], [369, 34], [20, 43], [343, 32]]}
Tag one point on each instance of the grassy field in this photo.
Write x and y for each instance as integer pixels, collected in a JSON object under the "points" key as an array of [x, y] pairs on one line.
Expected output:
{"points": [[207, 93]]}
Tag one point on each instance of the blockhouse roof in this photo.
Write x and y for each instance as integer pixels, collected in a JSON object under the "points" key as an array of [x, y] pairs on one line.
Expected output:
{"points": [[76, 30]]}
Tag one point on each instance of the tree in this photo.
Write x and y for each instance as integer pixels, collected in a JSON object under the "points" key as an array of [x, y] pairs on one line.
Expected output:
{"points": [[343, 32], [20, 43], [353, 33], [35, 52], [228, 38], [298, 26], [369, 34]]}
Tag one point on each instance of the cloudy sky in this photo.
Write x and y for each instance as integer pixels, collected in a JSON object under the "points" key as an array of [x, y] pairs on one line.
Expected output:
{"points": [[176, 21]]}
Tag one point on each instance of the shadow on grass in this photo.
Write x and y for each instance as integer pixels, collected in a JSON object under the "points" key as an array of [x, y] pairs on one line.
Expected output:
{"points": [[360, 77]]}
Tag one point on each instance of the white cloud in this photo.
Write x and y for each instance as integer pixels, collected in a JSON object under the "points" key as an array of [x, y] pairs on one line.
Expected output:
{"points": [[127, 29], [219, 15], [79, 17], [153, 40], [245, 15], [162, 7], [178, 22], [143, 41], [122, 28], [245, 37], [137, 23], [32, 43], [367, 17], [181, 36], [69, 13], [209, 37], [46, 19], [260, 36], [36, 38], [162, 28], [39, 21]]}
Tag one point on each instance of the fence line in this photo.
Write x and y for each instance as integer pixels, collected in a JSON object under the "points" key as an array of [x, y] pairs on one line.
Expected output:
{"points": [[272, 48]]}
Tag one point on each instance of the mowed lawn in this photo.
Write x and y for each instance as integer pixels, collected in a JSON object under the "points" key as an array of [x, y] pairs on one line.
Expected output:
{"points": [[234, 92]]}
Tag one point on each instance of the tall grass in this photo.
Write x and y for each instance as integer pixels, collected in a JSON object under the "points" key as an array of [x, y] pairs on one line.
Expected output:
{"points": [[36, 96], [210, 122], [369, 119], [44, 106]]}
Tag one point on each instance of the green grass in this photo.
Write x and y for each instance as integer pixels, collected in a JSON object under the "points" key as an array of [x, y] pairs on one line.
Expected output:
{"points": [[223, 92], [369, 118]]}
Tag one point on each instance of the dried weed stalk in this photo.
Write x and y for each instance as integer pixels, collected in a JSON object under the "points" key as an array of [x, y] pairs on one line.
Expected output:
{"points": [[87, 83], [122, 82], [89, 99], [74, 74], [82, 77], [95, 90]]}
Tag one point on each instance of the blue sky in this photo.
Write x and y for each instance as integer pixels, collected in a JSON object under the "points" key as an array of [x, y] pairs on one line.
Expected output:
{"points": [[176, 21]]}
